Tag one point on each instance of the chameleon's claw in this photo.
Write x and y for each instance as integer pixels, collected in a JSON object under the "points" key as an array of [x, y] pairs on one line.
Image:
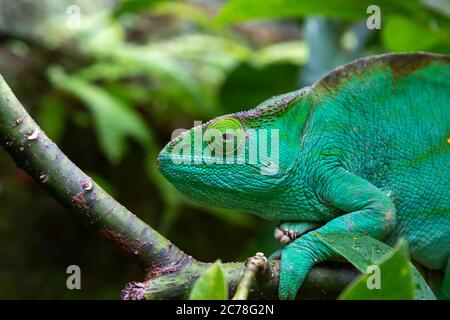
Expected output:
{"points": [[284, 236], [288, 231]]}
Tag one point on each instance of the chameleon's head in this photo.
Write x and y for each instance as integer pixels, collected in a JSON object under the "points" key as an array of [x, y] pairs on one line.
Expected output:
{"points": [[236, 160]]}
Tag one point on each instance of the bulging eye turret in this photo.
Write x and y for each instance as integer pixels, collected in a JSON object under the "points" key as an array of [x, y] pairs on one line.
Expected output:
{"points": [[225, 135]]}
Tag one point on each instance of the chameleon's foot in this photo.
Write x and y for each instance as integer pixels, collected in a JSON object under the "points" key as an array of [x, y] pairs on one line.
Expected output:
{"points": [[284, 236], [297, 259], [287, 232]]}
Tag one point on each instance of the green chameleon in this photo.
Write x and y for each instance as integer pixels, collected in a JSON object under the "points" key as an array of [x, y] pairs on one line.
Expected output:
{"points": [[365, 149]]}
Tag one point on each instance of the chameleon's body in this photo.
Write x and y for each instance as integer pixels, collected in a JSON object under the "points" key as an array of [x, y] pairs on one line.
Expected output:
{"points": [[365, 149]]}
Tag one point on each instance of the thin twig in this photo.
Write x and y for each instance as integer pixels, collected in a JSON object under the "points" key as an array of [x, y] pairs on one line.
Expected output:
{"points": [[255, 265]]}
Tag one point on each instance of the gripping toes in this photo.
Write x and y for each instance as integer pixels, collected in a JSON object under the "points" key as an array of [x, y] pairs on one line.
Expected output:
{"points": [[287, 232], [284, 236]]}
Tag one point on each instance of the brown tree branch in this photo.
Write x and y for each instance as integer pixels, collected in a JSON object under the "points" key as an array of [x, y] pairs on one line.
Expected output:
{"points": [[169, 272]]}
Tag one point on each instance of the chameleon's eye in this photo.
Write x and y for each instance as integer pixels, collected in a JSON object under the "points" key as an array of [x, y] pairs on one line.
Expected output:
{"points": [[225, 134]]}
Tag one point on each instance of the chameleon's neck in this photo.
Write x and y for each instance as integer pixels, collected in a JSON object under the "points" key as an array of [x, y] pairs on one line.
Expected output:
{"points": [[290, 194], [293, 196], [286, 199]]}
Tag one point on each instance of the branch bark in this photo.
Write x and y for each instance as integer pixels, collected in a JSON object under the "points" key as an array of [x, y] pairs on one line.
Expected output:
{"points": [[169, 272]]}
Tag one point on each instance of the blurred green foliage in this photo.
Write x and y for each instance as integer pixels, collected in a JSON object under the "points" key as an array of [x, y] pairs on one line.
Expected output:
{"points": [[111, 91]]}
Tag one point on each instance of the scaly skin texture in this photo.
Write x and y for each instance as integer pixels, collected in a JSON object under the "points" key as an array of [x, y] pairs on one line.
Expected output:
{"points": [[366, 149]]}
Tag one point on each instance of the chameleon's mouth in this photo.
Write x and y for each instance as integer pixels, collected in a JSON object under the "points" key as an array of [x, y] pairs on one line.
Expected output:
{"points": [[163, 161]]}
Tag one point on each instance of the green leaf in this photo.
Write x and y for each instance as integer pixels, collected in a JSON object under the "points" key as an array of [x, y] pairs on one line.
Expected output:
{"points": [[241, 10], [114, 119], [109, 71], [396, 280], [211, 285], [404, 34], [294, 52], [131, 6], [363, 251], [359, 249], [184, 10]]}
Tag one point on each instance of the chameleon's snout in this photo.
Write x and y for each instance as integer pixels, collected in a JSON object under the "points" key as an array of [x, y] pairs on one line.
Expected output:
{"points": [[158, 162]]}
